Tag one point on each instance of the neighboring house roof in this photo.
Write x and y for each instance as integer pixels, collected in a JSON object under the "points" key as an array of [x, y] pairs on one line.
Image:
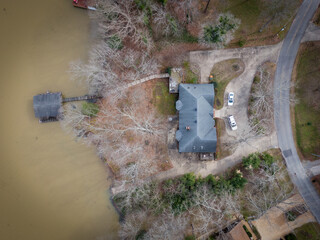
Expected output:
{"points": [[195, 106], [47, 105], [238, 232]]}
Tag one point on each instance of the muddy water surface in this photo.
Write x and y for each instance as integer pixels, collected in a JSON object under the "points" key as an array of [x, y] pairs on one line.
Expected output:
{"points": [[51, 187]]}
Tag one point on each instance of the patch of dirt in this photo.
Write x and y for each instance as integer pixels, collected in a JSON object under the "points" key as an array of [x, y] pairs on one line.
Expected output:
{"points": [[228, 69], [174, 55]]}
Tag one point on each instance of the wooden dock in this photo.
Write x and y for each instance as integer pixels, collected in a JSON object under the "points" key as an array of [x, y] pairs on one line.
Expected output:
{"points": [[47, 106], [82, 98]]}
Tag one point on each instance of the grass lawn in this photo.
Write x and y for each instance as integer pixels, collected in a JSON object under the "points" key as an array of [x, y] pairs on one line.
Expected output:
{"points": [[221, 151], [223, 72], [189, 76], [258, 15], [163, 100], [307, 111], [309, 231]]}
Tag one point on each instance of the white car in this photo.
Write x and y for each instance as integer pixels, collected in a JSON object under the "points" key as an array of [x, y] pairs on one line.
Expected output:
{"points": [[230, 98], [232, 123]]}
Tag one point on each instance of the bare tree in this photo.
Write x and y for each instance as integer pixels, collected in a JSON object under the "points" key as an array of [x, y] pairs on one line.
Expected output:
{"points": [[168, 226], [189, 9], [261, 102], [136, 65], [209, 211], [277, 11], [137, 171], [121, 19], [117, 121], [132, 225], [268, 189], [108, 69], [262, 95], [165, 23]]}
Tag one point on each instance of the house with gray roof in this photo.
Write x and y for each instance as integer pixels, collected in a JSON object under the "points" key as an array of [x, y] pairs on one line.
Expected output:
{"points": [[197, 132]]}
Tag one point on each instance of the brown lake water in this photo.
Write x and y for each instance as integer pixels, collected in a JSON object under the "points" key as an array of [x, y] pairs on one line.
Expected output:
{"points": [[51, 187]]}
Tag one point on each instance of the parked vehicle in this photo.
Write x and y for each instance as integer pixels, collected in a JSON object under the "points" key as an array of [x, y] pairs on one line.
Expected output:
{"points": [[230, 98], [232, 123]]}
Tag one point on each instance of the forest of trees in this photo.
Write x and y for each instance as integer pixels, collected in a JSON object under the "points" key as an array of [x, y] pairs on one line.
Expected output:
{"points": [[192, 205]]}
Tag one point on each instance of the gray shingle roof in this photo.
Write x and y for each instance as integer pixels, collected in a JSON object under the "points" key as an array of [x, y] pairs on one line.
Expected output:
{"points": [[195, 106], [47, 105]]}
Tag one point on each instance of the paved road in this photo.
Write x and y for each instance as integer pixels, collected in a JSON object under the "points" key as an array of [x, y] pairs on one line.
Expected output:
{"points": [[282, 119]]}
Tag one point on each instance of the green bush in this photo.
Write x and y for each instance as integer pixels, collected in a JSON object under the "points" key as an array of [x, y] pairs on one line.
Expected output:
{"points": [[187, 37], [188, 180], [140, 234], [164, 2], [115, 42], [142, 4], [145, 7], [225, 24], [215, 84], [173, 24], [290, 236], [90, 109], [291, 216], [256, 79], [267, 159], [238, 181], [241, 42], [214, 34], [247, 231], [252, 160], [255, 231], [190, 237]]}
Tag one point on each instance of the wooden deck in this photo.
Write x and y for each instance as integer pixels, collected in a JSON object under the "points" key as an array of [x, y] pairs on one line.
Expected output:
{"points": [[82, 98]]}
